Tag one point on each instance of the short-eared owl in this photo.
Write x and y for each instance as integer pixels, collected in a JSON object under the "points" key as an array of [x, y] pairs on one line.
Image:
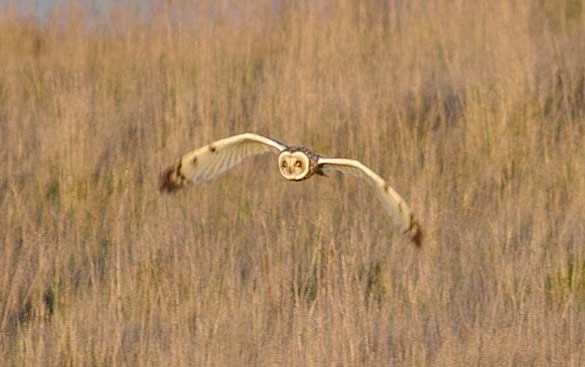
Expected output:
{"points": [[294, 164]]}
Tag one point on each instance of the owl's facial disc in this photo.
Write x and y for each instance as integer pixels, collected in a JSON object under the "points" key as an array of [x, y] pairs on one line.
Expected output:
{"points": [[293, 166]]}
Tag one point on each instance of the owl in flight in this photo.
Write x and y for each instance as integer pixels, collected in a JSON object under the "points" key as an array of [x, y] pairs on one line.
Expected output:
{"points": [[295, 163]]}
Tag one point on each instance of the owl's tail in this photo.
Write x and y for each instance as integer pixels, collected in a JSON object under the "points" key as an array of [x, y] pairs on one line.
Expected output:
{"points": [[172, 180]]}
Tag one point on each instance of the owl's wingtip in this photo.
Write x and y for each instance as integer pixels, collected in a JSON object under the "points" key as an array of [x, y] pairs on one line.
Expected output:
{"points": [[414, 232], [417, 238], [169, 182]]}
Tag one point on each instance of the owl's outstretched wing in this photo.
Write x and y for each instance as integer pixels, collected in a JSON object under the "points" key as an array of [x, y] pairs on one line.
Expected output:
{"points": [[400, 214], [214, 159]]}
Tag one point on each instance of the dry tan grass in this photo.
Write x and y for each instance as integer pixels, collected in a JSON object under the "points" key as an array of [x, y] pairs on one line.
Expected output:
{"points": [[475, 112]]}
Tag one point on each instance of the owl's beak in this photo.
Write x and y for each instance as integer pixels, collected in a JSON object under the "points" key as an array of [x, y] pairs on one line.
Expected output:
{"points": [[289, 170]]}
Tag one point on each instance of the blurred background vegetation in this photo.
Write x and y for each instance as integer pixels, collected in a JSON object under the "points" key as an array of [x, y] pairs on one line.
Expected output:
{"points": [[474, 112]]}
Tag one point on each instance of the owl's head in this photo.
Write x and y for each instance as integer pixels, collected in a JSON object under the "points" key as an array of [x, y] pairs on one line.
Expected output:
{"points": [[294, 165]]}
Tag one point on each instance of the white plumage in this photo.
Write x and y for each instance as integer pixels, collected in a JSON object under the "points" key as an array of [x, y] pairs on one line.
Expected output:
{"points": [[294, 164]]}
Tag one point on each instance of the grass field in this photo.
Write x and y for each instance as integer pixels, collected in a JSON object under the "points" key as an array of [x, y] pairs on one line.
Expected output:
{"points": [[473, 110]]}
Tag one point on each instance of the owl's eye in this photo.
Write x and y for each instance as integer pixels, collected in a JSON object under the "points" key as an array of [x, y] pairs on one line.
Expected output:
{"points": [[297, 163], [284, 164]]}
